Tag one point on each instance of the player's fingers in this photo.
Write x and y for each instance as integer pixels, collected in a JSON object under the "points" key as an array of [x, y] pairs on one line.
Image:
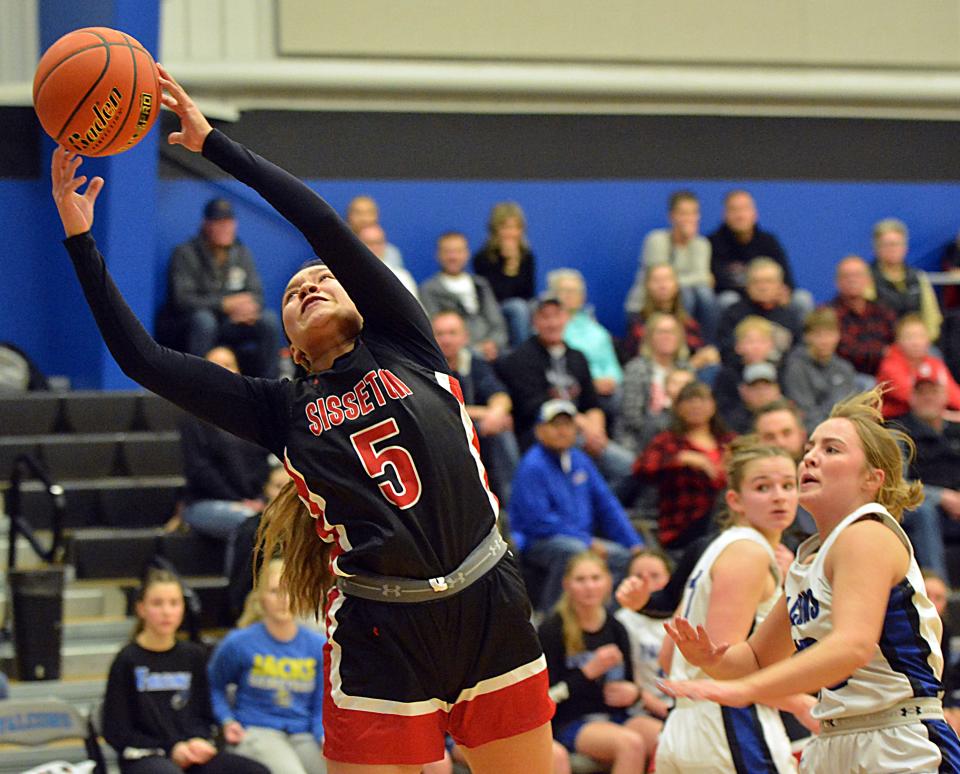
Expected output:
{"points": [[74, 183], [175, 138], [671, 632], [685, 628], [93, 190]]}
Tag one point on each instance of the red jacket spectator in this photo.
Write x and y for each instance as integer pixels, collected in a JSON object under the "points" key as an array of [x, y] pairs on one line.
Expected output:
{"points": [[900, 374]]}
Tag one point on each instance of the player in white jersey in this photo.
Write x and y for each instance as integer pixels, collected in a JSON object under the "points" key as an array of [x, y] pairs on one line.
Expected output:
{"points": [[732, 588], [855, 608]]}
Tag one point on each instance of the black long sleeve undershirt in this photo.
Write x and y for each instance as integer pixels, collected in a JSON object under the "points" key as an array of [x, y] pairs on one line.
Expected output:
{"points": [[390, 312]]}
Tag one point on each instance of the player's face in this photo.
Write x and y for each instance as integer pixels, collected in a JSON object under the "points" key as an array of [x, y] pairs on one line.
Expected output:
{"points": [[273, 600], [161, 608], [588, 584], [781, 428], [652, 570], [451, 334], [685, 218], [452, 254], [767, 499], [740, 213], [662, 286], [318, 314], [833, 474]]}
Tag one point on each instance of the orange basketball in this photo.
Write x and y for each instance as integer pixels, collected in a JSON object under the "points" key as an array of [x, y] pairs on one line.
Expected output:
{"points": [[96, 91]]}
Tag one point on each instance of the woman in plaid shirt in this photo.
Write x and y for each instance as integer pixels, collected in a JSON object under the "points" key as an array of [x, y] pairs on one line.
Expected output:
{"points": [[686, 464]]}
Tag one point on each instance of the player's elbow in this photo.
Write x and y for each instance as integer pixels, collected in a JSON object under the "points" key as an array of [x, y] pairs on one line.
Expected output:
{"points": [[856, 651]]}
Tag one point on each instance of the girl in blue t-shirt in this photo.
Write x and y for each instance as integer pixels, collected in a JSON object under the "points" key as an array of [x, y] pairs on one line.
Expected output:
{"points": [[276, 666]]}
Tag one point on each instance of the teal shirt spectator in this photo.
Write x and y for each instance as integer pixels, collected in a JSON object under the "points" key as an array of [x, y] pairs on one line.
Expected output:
{"points": [[584, 333]]}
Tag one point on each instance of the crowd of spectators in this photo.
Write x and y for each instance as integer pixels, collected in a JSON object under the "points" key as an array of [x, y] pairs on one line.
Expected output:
{"points": [[716, 330], [587, 435]]}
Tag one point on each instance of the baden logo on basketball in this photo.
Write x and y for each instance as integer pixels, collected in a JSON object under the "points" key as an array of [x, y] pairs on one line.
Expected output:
{"points": [[144, 119], [104, 116]]}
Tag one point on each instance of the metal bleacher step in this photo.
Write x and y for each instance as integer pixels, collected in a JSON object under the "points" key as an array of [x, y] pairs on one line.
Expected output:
{"points": [[77, 660], [97, 629], [116, 501], [84, 600]]}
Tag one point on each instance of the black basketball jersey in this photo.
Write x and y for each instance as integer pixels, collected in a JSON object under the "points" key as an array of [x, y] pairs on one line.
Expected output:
{"points": [[380, 446], [381, 451]]}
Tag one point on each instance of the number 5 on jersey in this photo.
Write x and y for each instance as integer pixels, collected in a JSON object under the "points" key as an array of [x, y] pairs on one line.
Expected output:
{"points": [[376, 460]]}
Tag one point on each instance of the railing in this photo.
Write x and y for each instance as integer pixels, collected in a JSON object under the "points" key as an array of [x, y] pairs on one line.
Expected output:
{"points": [[22, 466]]}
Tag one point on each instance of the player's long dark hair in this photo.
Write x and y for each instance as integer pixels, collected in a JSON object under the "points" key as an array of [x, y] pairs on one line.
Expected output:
{"points": [[287, 530]]}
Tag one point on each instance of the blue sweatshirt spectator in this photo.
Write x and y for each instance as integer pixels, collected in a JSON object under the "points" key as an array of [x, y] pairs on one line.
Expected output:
{"points": [[561, 505]]}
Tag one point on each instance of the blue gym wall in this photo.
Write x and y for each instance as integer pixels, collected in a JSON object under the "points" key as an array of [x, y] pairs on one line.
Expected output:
{"points": [[595, 226]]}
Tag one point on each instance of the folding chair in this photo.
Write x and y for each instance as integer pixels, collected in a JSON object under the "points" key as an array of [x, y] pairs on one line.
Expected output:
{"points": [[33, 723]]}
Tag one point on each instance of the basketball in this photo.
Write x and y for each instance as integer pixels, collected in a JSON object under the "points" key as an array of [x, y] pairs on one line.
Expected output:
{"points": [[96, 91]]}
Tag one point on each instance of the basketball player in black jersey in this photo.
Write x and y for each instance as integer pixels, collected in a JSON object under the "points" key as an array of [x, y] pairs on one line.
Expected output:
{"points": [[427, 626]]}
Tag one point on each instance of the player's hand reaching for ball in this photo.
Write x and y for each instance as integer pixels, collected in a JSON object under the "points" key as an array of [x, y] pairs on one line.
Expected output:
{"points": [[194, 126], [76, 209]]}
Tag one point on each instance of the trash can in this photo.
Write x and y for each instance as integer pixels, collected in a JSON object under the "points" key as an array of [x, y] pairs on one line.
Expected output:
{"points": [[37, 621]]}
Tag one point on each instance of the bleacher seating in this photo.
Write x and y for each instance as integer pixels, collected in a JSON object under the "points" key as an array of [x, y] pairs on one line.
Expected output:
{"points": [[117, 457], [116, 454]]}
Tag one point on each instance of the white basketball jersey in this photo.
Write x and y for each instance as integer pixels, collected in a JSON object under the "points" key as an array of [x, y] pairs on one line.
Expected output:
{"points": [[696, 597], [907, 661], [646, 641]]}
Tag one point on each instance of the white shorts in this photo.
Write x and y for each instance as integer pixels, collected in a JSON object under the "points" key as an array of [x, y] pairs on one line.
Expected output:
{"points": [[930, 746], [703, 738]]}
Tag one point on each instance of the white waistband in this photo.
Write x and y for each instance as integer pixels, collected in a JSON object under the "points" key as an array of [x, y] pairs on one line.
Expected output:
{"points": [[903, 713]]}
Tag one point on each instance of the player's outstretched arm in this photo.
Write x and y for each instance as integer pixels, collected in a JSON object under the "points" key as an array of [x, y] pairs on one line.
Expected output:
{"points": [[235, 403], [381, 298]]}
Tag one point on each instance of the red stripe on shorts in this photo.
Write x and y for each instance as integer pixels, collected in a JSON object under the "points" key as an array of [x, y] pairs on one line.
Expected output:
{"points": [[375, 738], [516, 709]]}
